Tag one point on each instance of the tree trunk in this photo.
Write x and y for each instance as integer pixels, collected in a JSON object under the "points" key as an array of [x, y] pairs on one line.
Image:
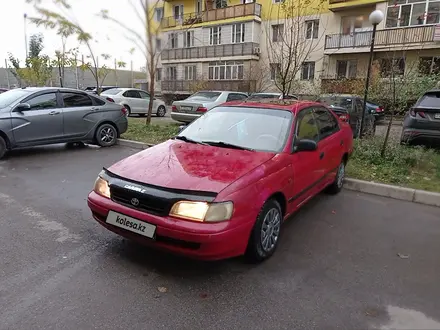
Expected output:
{"points": [[385, 142], [150, 105]]}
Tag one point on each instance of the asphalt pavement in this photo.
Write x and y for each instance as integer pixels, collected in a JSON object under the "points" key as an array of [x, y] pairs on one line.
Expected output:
{"points": [[350, 261]]}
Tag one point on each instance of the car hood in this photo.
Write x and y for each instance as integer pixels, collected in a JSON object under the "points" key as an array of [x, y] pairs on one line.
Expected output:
{"points": [[181, 165]]}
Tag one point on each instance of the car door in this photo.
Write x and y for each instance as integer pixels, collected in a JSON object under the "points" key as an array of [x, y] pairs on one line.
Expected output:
{"points": [[134, 100], [146, 102], [42, 123], [306, 165], [330, 143], [79, 114]]}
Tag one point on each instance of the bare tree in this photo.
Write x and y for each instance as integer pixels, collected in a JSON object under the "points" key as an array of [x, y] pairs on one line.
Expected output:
{"points": [[291, 38]]}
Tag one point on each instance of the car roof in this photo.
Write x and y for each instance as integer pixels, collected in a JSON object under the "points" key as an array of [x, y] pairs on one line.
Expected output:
{"points": [[338, 95], [290, 105], [215, 91], [61, 89]]}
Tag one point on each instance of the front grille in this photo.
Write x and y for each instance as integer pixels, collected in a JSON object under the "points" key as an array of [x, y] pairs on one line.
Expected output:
{"points": [[147, 203]]}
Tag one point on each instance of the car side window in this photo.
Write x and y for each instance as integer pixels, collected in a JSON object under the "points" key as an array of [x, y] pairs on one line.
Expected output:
{"points": [[359, 105], [235, 97], [144, 95], [327, 123], [72, 100], [132, 94], [306, 126], [45, 101]]}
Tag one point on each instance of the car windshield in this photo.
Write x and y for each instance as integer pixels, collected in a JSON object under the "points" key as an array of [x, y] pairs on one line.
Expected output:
{"points": [[248, 128], [337, 101], [263, 96], [9, 97], [430, 100], [113, 91], [206, 96]]}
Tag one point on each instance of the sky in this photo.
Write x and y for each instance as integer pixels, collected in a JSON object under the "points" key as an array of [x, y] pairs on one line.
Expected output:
{"points": [[110, 39]]}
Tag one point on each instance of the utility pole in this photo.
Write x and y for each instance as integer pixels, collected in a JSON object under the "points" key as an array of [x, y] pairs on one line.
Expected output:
{"points": [[7, 73], [25, 34]]}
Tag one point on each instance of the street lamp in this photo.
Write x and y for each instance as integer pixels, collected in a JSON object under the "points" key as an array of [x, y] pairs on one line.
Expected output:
{"points": [[375, 18]]}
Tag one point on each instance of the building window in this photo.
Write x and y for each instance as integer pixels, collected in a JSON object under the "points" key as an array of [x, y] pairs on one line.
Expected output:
{"points": [[275, 70], [277, 32], [351, 24], [220, 4], [198, 6], [158, 45], [158, 74], [402, 13], [178, 12], [390, 67], [158, 14], [190, 72], [312, 29], [346, 69], [171, 73], [173, 40], [429, 65], [308, 71], [188, 39], [231, 70], [215, 35], [238, 33], [278, 1]]}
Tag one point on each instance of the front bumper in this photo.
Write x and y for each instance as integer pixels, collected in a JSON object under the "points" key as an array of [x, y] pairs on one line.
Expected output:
{"points": [[184, 117], [206, 241]]}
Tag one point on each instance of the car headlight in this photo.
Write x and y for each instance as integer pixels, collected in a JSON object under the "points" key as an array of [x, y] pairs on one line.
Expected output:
{"points": [[101, 187], [202, 211]]}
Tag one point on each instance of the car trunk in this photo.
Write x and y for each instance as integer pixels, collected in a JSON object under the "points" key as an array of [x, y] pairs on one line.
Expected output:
{"points": [[426, 112], [189, 106]]}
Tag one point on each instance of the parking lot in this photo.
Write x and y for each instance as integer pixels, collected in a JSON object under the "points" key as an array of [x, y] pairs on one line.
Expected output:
{"points": [[350, 261]]}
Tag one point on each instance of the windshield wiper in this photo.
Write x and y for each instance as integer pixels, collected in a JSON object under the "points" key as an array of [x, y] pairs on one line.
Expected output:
{"points": [[186, 139], [227, 145]]}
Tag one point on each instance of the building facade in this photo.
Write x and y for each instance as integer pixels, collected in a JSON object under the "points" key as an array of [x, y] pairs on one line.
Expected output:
{"points": [[242, 45]]}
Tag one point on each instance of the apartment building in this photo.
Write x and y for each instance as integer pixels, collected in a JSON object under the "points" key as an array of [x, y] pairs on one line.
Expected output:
{"points": [[220, 44]]}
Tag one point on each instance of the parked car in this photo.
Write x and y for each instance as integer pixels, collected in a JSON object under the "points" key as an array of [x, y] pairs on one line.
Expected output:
{"points": [[354, 105], [44, 115], [422, 122], [136, 101], [2, 90], [277, 96], [193, 107], [377, 110], [225, 184], [93, 90]]}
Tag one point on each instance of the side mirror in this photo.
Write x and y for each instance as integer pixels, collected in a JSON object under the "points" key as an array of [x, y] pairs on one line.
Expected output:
{"points": [[305, 145], [22, 107], [181, 128]]}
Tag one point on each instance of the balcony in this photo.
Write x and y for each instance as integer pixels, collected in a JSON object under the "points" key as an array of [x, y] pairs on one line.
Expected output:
{"points": [[337, 5], [244, 49], [247, 9], [220, 85], [384, 38]]}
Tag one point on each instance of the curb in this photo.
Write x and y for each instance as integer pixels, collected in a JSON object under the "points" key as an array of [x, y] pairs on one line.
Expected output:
{"points": [[396, 192], [133, 144], [373, 188]]}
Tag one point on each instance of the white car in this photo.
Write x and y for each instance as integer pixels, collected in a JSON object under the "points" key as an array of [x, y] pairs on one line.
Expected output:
{"points": [[136, 101]]}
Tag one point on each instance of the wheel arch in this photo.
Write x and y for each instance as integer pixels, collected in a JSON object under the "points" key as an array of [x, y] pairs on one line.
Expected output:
{"points": [[5, 137]]}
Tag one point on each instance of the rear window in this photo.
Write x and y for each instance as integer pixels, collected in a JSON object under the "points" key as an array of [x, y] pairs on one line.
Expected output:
{"points": [[264, 96], [113, 91], [208, 96], [430, 100], [337, 101]]}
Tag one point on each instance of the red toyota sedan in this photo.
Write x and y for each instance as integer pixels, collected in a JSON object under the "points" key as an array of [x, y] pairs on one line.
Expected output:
{"points": [[225, 184]]}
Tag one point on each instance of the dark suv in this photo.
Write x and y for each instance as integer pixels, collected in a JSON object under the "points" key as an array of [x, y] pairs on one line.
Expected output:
{"points": [[353, 105], [422, 122]]}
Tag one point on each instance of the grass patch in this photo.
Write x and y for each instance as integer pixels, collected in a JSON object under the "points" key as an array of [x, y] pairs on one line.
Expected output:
{"points": [[413, 167], [153, 133]]}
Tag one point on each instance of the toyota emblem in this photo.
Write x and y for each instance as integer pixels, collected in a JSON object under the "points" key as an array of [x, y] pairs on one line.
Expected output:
{"points": [[134, 201]]}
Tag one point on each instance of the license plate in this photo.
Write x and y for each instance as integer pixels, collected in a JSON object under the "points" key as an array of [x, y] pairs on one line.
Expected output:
{"points": [[131, 224], [437, 116], [185, 108]]}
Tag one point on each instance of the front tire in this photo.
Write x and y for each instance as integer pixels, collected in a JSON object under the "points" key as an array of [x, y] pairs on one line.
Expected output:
{"points": [[338, 184], [161, 111], [106, 135], [265, 233], [3, 147]]}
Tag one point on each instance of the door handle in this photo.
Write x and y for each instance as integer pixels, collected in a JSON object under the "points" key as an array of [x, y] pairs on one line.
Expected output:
{"points": [[94, 108], [53, 113], [321, 156]]}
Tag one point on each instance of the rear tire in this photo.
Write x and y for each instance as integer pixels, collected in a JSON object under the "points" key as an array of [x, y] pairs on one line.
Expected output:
{"points": [[3, 147], [338, 184], [161, 111], [266, 232], [106, 135]]}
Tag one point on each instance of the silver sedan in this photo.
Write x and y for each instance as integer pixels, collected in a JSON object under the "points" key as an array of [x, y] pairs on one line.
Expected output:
{"points": [[136, 101]]}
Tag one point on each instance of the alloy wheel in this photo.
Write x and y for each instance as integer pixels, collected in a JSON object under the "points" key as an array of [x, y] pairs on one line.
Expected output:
{"points": [[107, 135], [270, 230]]}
